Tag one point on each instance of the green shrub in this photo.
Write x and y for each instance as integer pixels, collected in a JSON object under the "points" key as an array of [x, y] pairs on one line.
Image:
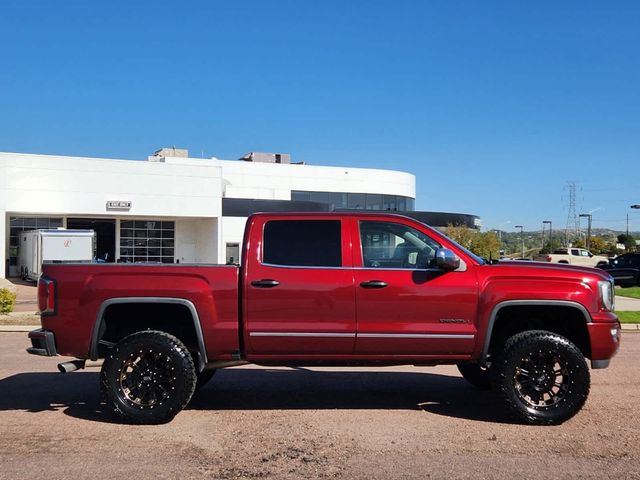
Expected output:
{"points": [[7, 300]]}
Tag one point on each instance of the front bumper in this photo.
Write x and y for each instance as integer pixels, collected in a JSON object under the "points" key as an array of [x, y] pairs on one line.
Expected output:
{"points": [[605, 342], [43, 343]]}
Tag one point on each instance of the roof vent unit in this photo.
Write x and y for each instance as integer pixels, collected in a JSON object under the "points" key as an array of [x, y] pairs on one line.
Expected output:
{"points": [[262, 157], [160, 155]]}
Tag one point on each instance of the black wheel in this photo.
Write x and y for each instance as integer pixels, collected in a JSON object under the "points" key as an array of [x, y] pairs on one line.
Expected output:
{"points": [[204, 377], [476, 375], [148, 377], [542, 377]]}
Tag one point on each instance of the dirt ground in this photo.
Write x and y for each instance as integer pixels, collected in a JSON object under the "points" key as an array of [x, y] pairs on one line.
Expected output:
{"points": [[361, 423]]}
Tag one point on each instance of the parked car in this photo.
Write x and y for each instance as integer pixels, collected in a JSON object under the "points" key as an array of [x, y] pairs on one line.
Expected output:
{"points": [[572, 256], [333, 289], [624, 269]]}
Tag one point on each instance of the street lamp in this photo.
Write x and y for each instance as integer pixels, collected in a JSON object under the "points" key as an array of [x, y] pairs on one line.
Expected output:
{"points": [[589, 216], [550, 234], [636, 207], [521, 238]]}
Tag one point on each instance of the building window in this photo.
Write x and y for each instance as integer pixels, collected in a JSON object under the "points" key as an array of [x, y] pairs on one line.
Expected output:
{"points": [[233, 253], [21, 224], [303, 243], [148, 241], [357, 201]]}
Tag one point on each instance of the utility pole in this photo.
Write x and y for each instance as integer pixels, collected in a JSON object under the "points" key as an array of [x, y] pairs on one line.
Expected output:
{"points": [[589, 216], [572, 217], [550, 234], [542, 244], [521, 238]]}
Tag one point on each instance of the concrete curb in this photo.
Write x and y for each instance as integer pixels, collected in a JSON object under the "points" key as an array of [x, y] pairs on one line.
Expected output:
{"points": [[18, 328], [630, 327]]}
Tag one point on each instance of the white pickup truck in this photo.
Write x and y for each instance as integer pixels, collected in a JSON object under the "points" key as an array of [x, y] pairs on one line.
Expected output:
{"points": [[573, 256]]}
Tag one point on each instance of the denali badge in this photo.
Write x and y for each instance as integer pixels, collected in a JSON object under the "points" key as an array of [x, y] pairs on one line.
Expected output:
{"points": [[453, 320]]}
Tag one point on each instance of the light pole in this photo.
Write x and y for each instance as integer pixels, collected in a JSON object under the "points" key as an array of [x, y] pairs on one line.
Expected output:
{"points": [[634, 207], [589, 216], [550, 235], [521, 238]]}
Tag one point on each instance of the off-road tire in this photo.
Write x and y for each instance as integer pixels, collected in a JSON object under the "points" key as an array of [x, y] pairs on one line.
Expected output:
{"points": [[203, 378], [147, 378], [540, 361], [476, 375]]}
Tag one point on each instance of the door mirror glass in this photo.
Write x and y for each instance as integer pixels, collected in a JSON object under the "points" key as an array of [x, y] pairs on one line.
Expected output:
{"points": [[446, 260]]}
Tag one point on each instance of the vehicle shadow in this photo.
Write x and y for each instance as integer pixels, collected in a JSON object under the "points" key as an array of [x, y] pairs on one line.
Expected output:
{"points": [[271, 389]]}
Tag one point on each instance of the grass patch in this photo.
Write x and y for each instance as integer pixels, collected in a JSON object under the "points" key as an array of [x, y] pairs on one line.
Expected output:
{"points": [[631, 292], [629, 317]]}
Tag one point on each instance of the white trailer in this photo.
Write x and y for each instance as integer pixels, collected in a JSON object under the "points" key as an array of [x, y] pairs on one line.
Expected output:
{"points": [[58, 246]]}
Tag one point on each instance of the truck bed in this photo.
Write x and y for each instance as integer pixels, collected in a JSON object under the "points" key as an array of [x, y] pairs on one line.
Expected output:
{"points": [[84, 292]]}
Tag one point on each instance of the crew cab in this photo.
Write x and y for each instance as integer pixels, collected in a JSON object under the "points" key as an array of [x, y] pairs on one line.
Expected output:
{"points": [[572, 256], [332, 289]]}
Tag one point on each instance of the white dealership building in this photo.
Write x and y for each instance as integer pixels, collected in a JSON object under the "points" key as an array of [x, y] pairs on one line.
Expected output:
{"points": [[174, 209]]}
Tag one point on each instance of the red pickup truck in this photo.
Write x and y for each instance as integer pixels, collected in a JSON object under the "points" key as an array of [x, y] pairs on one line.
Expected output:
{"points": [[332, 289]]}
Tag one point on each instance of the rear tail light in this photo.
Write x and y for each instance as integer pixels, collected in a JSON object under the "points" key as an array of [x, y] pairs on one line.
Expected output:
{"points": [[549, 258], [46, 296]]}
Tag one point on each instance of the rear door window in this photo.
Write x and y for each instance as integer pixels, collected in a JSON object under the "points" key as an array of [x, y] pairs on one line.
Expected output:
{"points": [[302, 243]]}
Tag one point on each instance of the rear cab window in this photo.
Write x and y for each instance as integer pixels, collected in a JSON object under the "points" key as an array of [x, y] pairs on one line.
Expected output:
{"points": [[303, 243]]}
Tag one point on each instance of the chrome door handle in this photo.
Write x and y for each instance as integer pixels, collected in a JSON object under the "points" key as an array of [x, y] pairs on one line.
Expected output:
{"points": [[265, 283], [373, 284]]}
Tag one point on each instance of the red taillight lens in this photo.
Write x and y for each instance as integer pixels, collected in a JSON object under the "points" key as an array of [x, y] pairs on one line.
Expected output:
{"points": [[548, 258], [46, 296]]}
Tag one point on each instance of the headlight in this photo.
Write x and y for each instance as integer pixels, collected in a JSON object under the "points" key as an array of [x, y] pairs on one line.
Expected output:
{"points": [[605, 287]]}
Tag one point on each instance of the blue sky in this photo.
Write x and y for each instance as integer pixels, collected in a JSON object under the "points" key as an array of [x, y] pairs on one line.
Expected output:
{"points": [[494, 106]]}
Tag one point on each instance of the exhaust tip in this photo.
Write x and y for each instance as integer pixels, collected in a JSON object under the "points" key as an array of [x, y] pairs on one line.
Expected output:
{"points": [[72, 366]]}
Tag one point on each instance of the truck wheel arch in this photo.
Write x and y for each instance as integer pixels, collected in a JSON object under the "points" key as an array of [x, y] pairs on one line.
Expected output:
{"points": [[99, 324], [526, 303]]}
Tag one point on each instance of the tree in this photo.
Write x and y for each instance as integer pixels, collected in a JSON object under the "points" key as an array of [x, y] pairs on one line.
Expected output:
{"points": [[600, 245], [483, 244], [628, 241], [578, 243]]}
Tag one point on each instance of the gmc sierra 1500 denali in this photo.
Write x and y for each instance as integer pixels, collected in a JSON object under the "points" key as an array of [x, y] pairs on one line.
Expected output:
{"points": [[332, 289]]}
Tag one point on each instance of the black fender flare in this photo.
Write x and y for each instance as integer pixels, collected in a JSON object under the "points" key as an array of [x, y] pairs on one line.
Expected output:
{"points": [[99, 322], [524, 303]]}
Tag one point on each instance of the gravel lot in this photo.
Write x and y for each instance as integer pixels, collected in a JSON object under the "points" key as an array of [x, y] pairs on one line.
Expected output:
{"points": [[368, 423]]}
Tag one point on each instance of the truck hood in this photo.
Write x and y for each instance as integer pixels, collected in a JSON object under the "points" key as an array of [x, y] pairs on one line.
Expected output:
{"points": [[553, 269]]}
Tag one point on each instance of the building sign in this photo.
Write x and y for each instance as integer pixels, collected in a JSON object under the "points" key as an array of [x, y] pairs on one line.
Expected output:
{"points": [[119, 205]]}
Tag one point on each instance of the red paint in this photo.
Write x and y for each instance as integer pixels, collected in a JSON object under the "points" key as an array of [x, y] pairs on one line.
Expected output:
{"points": [[366, 324]]}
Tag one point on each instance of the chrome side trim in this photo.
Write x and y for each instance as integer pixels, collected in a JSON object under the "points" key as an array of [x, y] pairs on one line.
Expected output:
{"points": [[418, 335], [302, 334], [306, 267], [93, 353], [372, 269], [364, 335], [522, 303]]}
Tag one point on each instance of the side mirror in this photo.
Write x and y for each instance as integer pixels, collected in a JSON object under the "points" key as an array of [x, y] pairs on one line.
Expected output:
{"points": [[446, 260]]}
